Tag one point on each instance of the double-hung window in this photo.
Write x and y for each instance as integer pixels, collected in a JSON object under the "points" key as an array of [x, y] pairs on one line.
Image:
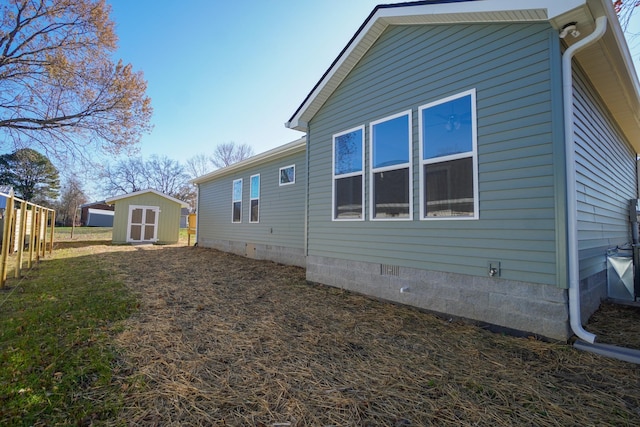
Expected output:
{"points": [[348, 180], [448, 158], [237, 201], [390, 160], [255, 198]]}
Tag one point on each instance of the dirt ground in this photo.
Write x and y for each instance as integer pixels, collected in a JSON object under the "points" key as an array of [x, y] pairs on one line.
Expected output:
{"points": [[224, 340]]}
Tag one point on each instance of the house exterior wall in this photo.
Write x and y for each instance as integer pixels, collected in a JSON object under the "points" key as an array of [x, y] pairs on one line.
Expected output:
{"points": [[606, 181], [515, 71], [279, 233], [168, 221]]}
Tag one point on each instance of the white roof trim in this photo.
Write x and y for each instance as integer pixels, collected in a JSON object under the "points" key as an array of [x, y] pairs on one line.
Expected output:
{"points": [[417, 14], [608, 63], [281, 151], [111, 200]]}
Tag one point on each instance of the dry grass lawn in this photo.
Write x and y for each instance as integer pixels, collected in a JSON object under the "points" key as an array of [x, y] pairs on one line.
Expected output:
{"points": [[224, 340]]}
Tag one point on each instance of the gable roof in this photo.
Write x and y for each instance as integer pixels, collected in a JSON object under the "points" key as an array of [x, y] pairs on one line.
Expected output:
{"points": [[607, 63], [137, 193]]}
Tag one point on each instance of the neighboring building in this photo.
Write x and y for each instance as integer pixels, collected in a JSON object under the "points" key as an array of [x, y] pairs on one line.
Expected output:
{"points": [[449, 170], [6, 191], [184, 214], [96, 214], [256, 207], [146, 216]]}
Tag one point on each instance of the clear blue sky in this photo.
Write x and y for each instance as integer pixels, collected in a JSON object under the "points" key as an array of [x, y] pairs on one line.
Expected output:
{"points": [[221, 71], [234, 70]]}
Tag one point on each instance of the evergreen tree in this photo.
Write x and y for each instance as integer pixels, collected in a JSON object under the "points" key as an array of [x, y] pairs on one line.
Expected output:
{"points": [[33, 177]]}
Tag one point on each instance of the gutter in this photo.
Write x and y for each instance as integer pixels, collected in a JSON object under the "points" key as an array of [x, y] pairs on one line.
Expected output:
{"points": [[575, 316], [586, 341]]}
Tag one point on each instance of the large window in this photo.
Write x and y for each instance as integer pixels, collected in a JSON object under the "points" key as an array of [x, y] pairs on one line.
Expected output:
{"points": [[255, 198], [237, 201], [348, 183], [448, 158], [390, 148], [288, 175]]}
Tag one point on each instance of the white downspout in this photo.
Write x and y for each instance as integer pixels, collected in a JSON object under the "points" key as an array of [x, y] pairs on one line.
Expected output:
{"points": [[572, 203]]}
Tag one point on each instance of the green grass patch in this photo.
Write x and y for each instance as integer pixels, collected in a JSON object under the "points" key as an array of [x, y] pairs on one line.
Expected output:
{"points": [[57, 362], [65, 234]]}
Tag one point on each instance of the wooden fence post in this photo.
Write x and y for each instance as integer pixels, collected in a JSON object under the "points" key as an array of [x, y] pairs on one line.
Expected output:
{"points": [[22, 234], [6, 240], [32, 235], [53, 226]]}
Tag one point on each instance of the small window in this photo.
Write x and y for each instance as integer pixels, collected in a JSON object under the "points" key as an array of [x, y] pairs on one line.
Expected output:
{"points": [[391, 189], [348, 182], [255, 198], [237, 201], [288, 175], [448, 155]]}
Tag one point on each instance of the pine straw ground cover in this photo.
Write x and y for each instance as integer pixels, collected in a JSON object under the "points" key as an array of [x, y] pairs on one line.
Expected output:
{"points": [[224, 340]]}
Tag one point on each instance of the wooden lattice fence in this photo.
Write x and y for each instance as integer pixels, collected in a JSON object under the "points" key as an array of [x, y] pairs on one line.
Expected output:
{"points": [[24, 234]]}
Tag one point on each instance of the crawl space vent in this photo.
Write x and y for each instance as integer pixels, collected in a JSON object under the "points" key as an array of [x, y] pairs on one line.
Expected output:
{"points": [[389, 270]]}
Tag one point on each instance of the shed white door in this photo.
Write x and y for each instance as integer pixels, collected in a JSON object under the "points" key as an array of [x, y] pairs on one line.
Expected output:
{"points": [[143, 223]]}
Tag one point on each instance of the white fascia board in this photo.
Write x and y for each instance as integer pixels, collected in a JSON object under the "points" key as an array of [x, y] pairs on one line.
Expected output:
{"points": [[552, 8], [281, 151], [434, 13]]}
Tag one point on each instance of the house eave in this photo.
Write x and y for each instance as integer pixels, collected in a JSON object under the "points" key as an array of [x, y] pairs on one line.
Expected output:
{"points": [[281, 151], [620, 94]]}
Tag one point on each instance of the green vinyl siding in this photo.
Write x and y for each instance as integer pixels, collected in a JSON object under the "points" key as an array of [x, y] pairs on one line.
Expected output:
{"points": [[511, 66], [168, 220], [606, 180], [282, 209]]}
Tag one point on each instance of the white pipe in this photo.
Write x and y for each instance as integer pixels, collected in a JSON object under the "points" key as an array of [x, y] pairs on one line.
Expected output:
{"points": [[572, 202]]}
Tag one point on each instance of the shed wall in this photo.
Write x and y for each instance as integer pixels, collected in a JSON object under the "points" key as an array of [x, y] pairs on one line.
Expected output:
{"points": [[168, 221]]}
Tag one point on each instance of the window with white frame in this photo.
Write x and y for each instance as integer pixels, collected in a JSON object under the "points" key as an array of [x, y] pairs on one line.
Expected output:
{"points": [[390, 160], [288, 175], [348, 180], [448, 158], [254, 198], [237, 201]]}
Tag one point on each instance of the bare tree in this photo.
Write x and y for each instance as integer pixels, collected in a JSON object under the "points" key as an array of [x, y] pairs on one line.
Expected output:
{"points": [[158, 173], [165, 175], [60, 91], [71, 197], [125, 176], [198, 165], [228, 153], [625, 10]]}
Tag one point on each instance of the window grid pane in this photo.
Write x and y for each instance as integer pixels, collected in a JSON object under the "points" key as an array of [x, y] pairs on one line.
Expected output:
{"points": [[447, 128], [391, 194], [348, 198], [391, 142], [448, 189], [348, 153]]}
